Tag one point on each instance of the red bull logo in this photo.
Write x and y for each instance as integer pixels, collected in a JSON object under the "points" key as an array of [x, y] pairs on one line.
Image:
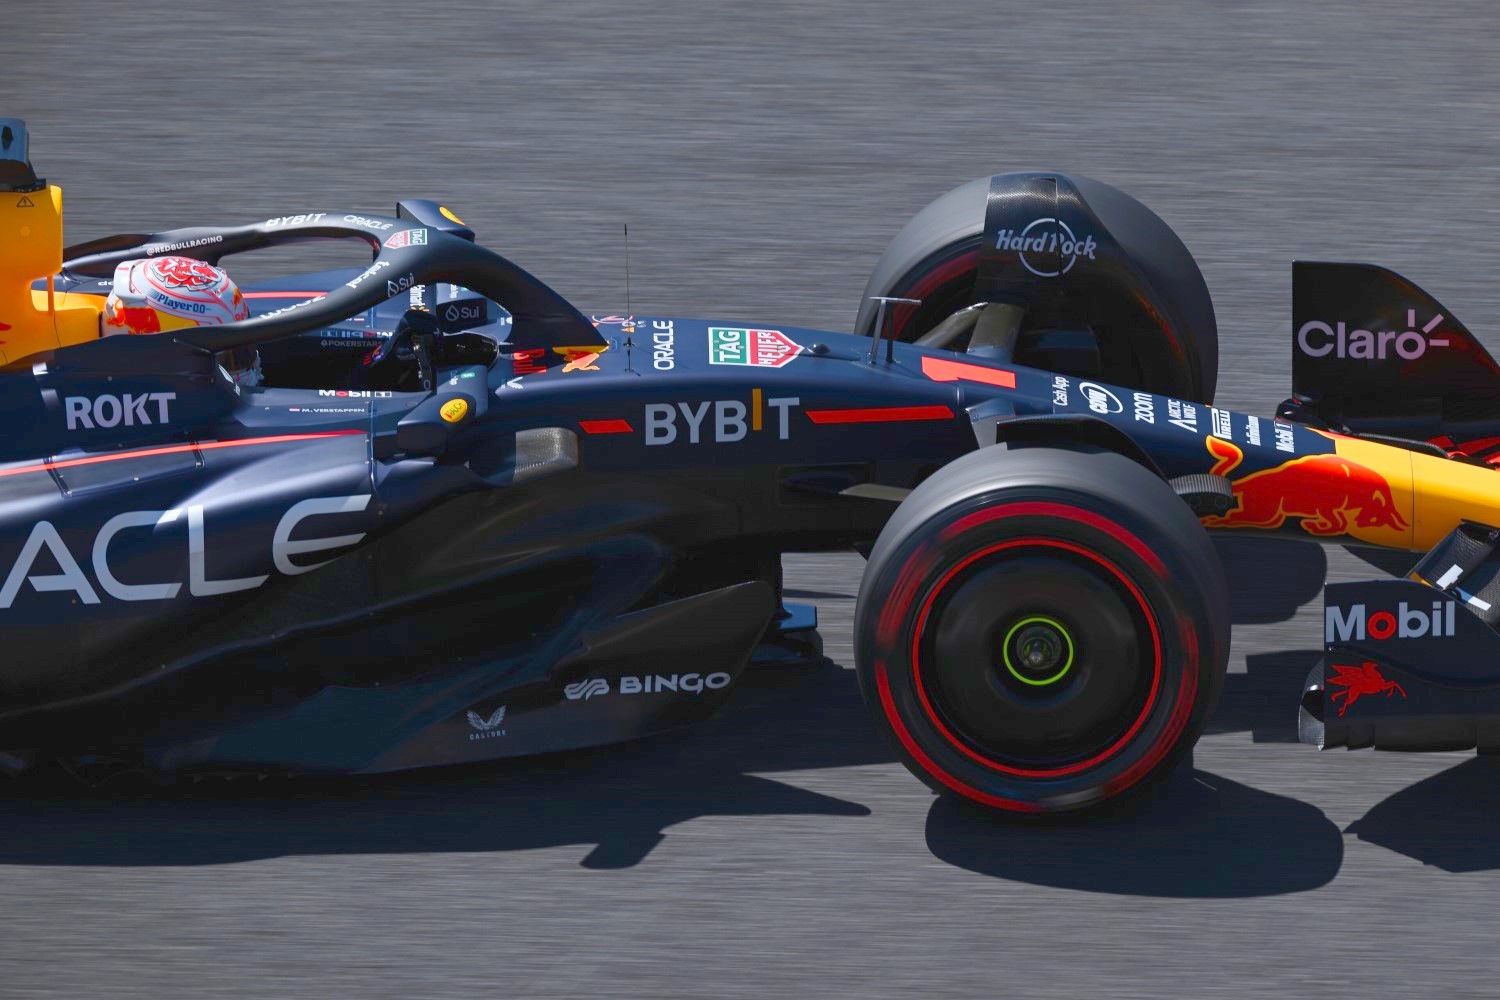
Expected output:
{"points": [[1327, 493], [1356, 682], [533, 361], [185, 272]]}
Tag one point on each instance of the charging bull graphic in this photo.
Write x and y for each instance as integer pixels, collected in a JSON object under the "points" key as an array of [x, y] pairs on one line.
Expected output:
{"points": [[1326, 492], [1361, 680]]}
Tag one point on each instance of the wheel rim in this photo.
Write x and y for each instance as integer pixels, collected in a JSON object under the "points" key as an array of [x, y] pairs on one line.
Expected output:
{"points": [[1037, 657]]}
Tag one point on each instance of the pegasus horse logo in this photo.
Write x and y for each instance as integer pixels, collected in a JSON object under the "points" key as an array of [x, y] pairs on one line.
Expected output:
{"points": [[1326, 492], [1361, 680], [484, 725]]}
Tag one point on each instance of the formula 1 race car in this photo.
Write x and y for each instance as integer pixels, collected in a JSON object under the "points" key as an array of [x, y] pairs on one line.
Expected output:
{"points": [[496, 527]]}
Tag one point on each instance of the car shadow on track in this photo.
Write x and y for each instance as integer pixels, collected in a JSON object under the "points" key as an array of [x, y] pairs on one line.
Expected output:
{"points": [[1270, 578], [1262, 701], [1201, 836], [621, 799], [1447, 821]]}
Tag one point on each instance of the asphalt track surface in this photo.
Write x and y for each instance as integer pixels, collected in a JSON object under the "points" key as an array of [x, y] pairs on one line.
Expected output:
{"points": [[763, 153]]}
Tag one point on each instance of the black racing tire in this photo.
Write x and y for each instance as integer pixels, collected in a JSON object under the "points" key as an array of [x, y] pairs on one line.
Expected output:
{"points": [[1005, 558], [1170, 348]]}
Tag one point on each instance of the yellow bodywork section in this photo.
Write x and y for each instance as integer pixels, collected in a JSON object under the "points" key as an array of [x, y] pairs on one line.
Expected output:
{"points": [[1449, 492], [31, 248], [1369, 492], [1430, 494]]}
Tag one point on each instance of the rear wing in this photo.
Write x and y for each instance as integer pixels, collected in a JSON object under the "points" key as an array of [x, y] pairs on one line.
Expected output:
{"points": [[1373, 352]]}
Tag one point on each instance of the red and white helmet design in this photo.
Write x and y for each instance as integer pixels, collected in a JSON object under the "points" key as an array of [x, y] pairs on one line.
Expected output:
{"points": [[171, 293]]}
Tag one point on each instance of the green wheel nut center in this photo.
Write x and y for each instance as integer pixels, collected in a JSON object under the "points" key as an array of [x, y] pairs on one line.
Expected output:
{"points": [[1038, 651]]}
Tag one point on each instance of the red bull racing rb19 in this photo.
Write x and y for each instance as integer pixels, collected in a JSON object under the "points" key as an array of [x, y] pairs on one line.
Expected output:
{"points": [[423, 511]]}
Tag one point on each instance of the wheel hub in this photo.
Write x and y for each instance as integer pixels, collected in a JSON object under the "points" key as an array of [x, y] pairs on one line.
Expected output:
{"points": [[1034, 658], [1038, 651]]}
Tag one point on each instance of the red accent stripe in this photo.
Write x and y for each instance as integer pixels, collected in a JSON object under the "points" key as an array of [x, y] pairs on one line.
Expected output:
{"points": [[940, 370], [606, 426], [282, 295], [880, 414], [68, 463]]}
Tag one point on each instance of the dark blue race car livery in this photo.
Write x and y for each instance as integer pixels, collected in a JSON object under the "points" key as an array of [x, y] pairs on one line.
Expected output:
{"points": [[451, 518]]}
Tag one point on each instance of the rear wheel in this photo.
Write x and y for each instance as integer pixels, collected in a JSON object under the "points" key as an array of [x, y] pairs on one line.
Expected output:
{"points": [[1135, 313], [1042, 631]]}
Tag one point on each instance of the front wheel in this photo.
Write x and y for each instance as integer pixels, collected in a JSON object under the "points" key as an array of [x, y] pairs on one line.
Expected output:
{"points": [[1042, 631]]}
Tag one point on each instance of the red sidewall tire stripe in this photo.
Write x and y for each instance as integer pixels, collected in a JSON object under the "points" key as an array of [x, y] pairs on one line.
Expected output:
{"points": [[888, 703]]}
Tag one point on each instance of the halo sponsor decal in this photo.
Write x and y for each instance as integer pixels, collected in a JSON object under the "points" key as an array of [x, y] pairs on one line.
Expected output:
{"points": [[375, 224], [406, 238], [373, 269], [757, 348], [1039, 237], [1359, 681], [294, 220], [152, 249]]}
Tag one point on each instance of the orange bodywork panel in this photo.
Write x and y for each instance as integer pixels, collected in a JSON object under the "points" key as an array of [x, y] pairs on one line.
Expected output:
{"points": [[31, 248]]}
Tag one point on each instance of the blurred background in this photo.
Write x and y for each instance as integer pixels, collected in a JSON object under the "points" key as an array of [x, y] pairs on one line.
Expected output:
{"points": [[763, 153]]}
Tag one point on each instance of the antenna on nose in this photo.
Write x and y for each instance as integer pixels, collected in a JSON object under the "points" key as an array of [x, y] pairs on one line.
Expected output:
{"points": [[627, 269]]}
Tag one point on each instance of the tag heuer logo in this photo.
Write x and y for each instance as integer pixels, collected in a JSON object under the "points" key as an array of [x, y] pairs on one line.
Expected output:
{"points": [[758, 348], [406, 238]]}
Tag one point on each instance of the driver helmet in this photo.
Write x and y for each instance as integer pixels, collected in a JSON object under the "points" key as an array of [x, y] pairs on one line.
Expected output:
{"points": [[171, 293]]}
